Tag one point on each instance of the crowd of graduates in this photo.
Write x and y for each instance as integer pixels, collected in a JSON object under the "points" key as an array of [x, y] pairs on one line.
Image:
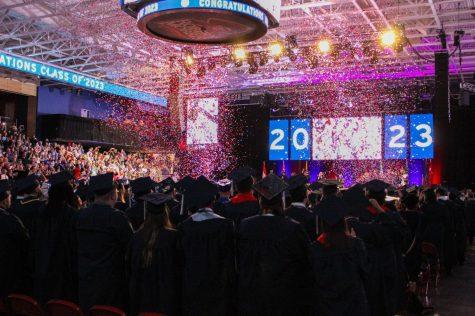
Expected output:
{"points": [[244, 246]]}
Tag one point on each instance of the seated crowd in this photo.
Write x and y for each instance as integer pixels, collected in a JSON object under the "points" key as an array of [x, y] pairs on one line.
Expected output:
{"points": [[234, 247]]}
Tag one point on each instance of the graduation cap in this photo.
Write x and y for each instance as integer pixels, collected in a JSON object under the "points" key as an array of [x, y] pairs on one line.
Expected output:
{"points": [[330, 182], [26, 183], [166, 186], [242, 173], [155, 202], [142, 184], [101, 182], [270, 186], [5, 187], [355, 196], [201, 193], [224, 185], [60, 178], [331, 210], [184, 184], [412, 189], [297, 181], [376, 185], [316, 186]]}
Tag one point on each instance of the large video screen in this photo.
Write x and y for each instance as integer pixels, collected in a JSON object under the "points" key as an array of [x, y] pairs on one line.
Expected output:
{"points": [[202, 121], [347, 138]]}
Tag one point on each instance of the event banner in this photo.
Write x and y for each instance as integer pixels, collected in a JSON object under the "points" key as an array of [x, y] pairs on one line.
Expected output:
{"points": [[74, 78], [352, 138]]}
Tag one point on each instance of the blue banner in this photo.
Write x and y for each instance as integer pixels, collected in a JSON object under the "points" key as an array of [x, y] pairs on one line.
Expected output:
{"points": [[300, 140], [228, 5], [422, 136], [395, 136], [70, 77], [279, 140]]}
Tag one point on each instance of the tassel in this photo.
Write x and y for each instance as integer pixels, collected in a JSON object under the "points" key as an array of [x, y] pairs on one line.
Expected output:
{"points": [[182, 206]]}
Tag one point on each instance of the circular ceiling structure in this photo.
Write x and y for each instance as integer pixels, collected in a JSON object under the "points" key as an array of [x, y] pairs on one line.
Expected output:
{"points": [[202, 21]]}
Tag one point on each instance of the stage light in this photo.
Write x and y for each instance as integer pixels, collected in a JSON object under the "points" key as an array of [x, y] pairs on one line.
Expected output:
{"points": [[324, 46], [275, 50], [253, 66], [189, 57], [263, 58], [388, 38], [239, 53]]}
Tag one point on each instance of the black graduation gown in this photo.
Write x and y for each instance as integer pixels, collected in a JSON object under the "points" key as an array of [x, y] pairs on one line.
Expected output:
{"points": [[209, 266], [240, 211], [55, 258], [339, 279], [155, 288], [103, 234], [413, 257], [13, 254], [460, 226], [175, 214], [135, 214], [305, 217], [274, 267], [470, 218], [384, 282], [433, 217], [27, 210]]}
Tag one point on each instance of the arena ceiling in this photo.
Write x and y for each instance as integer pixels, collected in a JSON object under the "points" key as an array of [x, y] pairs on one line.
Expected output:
{"points": [[97, 38]]}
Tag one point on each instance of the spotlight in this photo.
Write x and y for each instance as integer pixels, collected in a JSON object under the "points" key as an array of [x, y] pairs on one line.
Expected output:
{"points": [[388, 38], [201, 71], [275, 50], [263, 58], [291, 41], [253, 66], [189, 57], [324, 46], [239, 53]]}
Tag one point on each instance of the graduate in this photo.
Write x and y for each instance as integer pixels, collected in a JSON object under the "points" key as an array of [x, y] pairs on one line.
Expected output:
{"points": [[244, 204], [103, 234], [26, 207], [370, 223], [55, 243], [224, 191], [140, 187], [13, 247], [208, 242], [154, 261], [298, 210], [181, 210], [273, 258], [339, 264], [413, 217]]}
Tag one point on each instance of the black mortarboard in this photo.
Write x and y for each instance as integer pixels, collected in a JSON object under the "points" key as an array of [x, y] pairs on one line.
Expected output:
{"points": [[376, 185], [331, 210], [315, 186], [270, 186], [224, 185], [184, 184], [200, 193], [26, 183], [155, 201], [330, 182], [297, 181], [242, 173], [355, 196], [143, 184], [60, 177], [102, 182], [412, 189], [5, 186], [454, 191], [166, 186]]}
